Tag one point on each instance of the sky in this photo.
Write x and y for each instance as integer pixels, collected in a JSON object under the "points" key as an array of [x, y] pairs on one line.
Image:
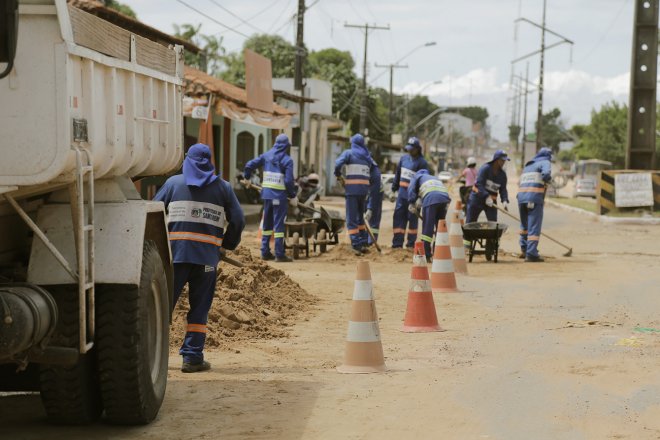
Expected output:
{"points": [[475, 43]]}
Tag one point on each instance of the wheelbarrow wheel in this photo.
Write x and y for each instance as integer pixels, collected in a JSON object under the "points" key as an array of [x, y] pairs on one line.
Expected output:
{"points": [[489, 249], [296, 245], [323, 236]]}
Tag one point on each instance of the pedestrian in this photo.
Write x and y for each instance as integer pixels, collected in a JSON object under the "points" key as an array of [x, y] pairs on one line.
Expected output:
{"points": [[531, 193], [277, 186], [362, 178], [434, 200], [374, 211], [408, 165], [491, 180], [469, 176], [204, 218]]}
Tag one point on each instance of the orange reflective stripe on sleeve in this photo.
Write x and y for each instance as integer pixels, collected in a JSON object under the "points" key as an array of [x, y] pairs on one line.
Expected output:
{"points": [[533, 238], [403, 184], [353, 231], [196, 328], [356, 182]]}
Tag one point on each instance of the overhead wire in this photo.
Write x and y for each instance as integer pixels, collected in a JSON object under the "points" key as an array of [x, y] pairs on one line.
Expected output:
{"points": [[235, 16], [213, 19]]}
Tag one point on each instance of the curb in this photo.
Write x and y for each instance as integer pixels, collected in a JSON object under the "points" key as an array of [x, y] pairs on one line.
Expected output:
{"points": [[604, 218]]}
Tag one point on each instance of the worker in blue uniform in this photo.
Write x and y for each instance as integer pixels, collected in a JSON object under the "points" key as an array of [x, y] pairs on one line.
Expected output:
{"points": [[374, 211], [408, 165], [203, 218], [491, 180], [277, 186], [531, 193], [362, 178], [434, 200]]}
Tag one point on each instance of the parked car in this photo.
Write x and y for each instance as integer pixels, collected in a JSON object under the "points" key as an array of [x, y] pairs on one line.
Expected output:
{"points": [[586, 176], [386, 180]]}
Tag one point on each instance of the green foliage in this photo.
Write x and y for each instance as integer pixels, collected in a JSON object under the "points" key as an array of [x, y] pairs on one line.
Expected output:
{"points": [[124, 9], [281, 53], [514, 133], [605, 137], [336, 66], [479, 114], [553, 131], [211, 59]]}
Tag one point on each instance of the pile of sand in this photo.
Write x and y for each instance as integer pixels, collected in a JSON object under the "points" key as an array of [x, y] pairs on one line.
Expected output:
{"points": [[342, 253], [256, 301]]}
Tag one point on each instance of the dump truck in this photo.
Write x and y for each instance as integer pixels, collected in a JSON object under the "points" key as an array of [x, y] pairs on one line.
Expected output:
{"points": [[86, 108]]}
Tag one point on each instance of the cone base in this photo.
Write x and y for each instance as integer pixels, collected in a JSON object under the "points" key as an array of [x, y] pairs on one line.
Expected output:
{"points": [[421, 329], [361, 369]]}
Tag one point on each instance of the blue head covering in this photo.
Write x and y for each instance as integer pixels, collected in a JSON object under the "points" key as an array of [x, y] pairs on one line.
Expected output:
{"points": [[544, 153], [359, 148], [280, 147], [413, 142], [421, 172], [499, 154], [198, 170]]}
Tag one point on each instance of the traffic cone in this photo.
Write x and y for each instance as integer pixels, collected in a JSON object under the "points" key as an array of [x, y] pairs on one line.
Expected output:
{"points": [[364, 351], [442, 270], [420, 311], [456, 243]]}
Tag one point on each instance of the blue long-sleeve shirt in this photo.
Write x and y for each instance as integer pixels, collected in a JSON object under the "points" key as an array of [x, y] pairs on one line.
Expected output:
{"points": [[405, 171], [278, 182], [536, 174], [490, 184], [429, 188]]}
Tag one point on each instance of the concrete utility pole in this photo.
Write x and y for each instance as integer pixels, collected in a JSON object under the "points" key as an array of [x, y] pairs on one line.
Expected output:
{"points": [[640, 148], [390, 120], [363, 105], [544, 48], [298, 73]]}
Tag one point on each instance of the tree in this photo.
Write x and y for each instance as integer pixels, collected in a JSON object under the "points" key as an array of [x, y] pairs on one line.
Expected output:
{"points": [[211, 59], [124, 9], [605, 137], [336, 67], [281, 53], [477, 114]]}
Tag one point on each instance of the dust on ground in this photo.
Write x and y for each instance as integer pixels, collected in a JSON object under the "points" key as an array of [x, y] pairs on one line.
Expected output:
{"points": [[256, 301]]}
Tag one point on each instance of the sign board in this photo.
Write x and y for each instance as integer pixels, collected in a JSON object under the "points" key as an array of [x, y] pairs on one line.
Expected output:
{"points": [[258, 81], [197, 108], [633, 189]]}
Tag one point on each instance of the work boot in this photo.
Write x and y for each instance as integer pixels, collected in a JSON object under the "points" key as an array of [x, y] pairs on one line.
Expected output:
{"points": [[364, 250], [357, 252], [532, 259], [522, 255], [429, 260], [189, 367], [283, 259], [268, 257]]}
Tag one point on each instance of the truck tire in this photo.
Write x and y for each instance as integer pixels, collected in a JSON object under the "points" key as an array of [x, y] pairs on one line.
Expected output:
{"points": [[70, 394], [133, 342]]}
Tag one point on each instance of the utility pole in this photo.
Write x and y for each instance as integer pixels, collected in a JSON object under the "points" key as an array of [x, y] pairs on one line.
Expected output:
{"points": [[363, 105], [539, 112], [390, 120], [544, 48], [298, 73], [524, 125]]}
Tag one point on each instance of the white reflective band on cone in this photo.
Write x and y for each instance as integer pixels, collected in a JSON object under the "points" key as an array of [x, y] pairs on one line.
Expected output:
{"points": [[442, 266], [455, 229], [363, 332], [457, 253], [420, 286], [442, 239], [363, 290]]}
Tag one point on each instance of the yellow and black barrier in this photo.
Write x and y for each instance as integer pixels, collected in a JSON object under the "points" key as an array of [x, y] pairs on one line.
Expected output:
{"points": [[605, 194]]}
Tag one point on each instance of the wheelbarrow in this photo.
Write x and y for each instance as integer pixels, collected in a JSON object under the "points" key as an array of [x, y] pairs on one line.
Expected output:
{"points": [[329, 225], [485, 234], [297, 235]]}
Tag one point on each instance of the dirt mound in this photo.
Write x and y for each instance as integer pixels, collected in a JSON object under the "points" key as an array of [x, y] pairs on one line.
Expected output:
{"points": [[342, 252], [256, 301]]}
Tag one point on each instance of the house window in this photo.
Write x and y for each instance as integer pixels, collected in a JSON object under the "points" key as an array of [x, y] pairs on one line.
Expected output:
{"points": [[261, 144]]}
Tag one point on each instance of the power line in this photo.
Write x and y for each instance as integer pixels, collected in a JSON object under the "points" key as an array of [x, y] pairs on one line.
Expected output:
{"points": [[607, 31], [272, 26], [213, 19], [235, 16]]}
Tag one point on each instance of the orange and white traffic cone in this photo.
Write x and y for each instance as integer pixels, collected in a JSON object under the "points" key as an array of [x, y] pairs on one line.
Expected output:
{"points": [[442, 269], [364, 350], [456, 243], [420, 311]]}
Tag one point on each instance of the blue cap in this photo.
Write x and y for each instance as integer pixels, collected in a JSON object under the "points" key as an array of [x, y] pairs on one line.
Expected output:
{"points": [[413, 142], [282, 139], [500, 154]]}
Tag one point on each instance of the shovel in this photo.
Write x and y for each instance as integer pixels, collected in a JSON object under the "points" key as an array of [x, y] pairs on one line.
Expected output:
{"points": [[570, 249], [371, 234]]}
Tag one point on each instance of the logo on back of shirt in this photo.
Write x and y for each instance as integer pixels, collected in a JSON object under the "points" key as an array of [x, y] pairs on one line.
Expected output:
{"points": [[196, 212]]}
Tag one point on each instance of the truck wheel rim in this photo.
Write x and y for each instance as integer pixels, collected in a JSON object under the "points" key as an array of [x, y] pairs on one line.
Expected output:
{"points": [[155, 331]]}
